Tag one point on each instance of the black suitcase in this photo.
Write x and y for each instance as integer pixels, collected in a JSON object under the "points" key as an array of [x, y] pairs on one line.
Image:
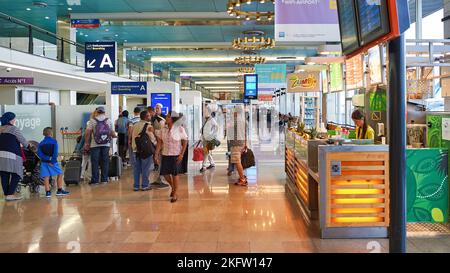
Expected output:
{"points": [[72, 172], [115, 166]]}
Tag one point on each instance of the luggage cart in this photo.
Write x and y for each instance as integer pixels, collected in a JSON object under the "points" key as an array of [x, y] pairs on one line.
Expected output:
{"points": [[69, 139]]}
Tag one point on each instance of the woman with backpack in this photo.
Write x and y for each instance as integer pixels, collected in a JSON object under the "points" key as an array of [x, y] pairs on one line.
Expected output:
{"points": [[98, 136], [172, 144]]}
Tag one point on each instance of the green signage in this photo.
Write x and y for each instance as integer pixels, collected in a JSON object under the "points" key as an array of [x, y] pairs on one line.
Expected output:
{"points": [[336, 82]]}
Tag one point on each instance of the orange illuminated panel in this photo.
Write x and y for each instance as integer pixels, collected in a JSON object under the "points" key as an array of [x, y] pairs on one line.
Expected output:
{"points": [[354, 72], [354, 201]]}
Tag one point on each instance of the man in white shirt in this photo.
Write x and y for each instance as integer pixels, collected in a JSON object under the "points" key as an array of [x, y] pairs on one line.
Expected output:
{"points": [[209, 136]]}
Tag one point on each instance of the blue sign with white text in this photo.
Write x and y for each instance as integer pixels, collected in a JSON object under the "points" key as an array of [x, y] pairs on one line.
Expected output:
{"points": [[165, 99], [129, 88], [250, 86], [85, 23], [100, 57]]}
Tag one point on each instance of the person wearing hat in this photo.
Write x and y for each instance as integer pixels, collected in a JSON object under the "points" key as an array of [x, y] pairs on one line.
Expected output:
{"points": [[98, 136], [11, 160], [172, 144]]}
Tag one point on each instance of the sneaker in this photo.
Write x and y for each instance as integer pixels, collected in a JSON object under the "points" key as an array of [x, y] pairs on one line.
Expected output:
{"points": [[211, 167], [104, 182], [13, 197], [94, 183], [136, 189], [158, 185], [145, 189], [62, 192], [48, 194], [202, 170]]}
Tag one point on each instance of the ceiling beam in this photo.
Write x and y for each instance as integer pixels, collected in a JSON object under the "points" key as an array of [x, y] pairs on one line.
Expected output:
{"points": [[153, 15]]}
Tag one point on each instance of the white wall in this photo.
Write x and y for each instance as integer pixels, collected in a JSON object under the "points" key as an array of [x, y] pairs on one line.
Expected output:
{"points": [[8, 95], [132, 103]]}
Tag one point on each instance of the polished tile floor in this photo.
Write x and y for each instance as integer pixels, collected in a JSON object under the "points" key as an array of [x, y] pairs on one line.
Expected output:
{"points": [[212, 215]]}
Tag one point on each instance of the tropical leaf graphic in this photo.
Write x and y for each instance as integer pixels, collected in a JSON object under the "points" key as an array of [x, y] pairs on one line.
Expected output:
{"points": [[443, 164], [426, 165], [411, 189], [422, 215], [432, 192]]}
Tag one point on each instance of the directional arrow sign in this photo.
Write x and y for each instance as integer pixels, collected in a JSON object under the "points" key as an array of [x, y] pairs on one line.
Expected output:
{"points": [[100, 57]]}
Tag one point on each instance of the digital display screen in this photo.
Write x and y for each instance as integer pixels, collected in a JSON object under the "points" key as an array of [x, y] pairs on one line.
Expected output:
{"points": [[28, 97], [373, 19], [348, 26], [43, 98], [165, 99], [251, 86]]}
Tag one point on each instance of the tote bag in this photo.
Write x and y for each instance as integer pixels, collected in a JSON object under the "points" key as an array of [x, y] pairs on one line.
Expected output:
{"points": [[198, 153]]}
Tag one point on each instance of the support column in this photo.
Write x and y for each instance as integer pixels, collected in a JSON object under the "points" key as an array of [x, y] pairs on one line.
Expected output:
{"points": [[112, 110], [397, 145]]}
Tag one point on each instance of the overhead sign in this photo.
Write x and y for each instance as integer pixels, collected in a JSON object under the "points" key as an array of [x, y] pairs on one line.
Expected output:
{"points": [[165, 99], [85, 23], [304, 82], [129, 88], [270, 77], [306, 21], [16, 80], [100, 57], [251, 86]]}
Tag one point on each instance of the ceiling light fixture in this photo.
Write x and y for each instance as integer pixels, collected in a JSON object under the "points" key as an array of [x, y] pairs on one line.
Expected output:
{"points": [[253, 43], [28, 9], [215, 59], [233, 7], [46, 17], [69, 8], [249, 60]]}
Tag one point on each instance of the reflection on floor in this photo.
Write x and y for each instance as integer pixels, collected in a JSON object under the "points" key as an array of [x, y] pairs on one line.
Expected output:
{"points": [[212, 215]]}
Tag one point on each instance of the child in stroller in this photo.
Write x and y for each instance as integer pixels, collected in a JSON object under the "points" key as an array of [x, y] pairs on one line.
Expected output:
{"points": [[31, 170]]}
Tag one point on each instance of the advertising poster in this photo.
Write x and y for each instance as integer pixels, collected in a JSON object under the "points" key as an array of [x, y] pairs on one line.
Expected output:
{"points": [[304, 82], [306, 21], [336, 82], [270, 78], [354, 73], [31, 119], [375, 65], [251, 86]]}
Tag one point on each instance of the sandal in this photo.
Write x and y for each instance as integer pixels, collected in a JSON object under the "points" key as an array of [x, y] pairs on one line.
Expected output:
{"points": [[173, 199], [242, 182]]}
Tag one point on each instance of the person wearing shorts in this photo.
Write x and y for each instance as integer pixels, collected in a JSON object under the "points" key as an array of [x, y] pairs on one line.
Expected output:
{"points": [[48, 153]]}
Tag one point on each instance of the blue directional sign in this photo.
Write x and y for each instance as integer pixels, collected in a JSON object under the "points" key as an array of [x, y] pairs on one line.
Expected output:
{"points": [[129, 88], [85, 23], [100, 57], [165, 99]]}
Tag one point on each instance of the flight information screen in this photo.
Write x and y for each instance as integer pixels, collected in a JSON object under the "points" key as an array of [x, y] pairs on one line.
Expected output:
{"points": [[348, 26], [251, 86], [373, 19]]}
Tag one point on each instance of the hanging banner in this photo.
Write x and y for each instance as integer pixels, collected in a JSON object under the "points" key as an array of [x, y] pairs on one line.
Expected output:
{"points": [[270, 77], [304, 82], [306, 21], [336, 82]]}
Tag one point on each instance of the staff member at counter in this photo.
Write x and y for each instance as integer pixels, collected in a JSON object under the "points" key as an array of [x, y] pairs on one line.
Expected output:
{"points": [[363, 130]]}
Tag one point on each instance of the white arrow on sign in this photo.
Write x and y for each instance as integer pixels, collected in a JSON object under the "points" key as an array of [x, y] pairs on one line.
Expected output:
{"points": [[91, 64]]}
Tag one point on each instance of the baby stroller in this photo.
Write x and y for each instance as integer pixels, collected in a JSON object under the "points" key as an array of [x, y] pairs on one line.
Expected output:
{"points": [[31, 171]]}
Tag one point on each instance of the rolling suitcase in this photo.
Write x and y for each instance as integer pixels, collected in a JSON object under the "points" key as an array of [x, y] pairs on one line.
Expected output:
{"points": [[115, 166], [72, 172]]}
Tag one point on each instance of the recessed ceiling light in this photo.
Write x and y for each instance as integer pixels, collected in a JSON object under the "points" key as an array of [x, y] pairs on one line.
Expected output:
{"points": [[107, 30], [69, 8], [125, 41], [117, 35], [46, 17], [86, 35], [28, 9]]}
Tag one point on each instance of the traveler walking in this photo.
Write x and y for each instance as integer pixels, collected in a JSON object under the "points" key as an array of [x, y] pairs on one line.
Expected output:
{"points": [[143, 145], [11, 156], [121, 127], [237, 138], [48, 154], [99, 134], [135, 119], [172, 144], [158, 122], [209, 137], [86, 166]]}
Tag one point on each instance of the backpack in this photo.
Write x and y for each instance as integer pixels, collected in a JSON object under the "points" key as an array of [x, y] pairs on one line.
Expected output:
{"points": [[102, 132], [122, 123], [144, 146]]}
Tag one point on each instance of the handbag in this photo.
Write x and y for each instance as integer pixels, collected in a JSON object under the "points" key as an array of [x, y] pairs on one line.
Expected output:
{"points": [[198, 153], [247, 158]]}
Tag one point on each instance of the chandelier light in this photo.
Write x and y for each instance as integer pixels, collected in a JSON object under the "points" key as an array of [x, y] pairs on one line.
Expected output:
{"points": [[234, 9], [247, 70], [250, 60], [253, 43]]}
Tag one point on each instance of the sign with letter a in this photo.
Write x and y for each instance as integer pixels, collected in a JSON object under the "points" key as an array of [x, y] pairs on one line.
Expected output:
{"points": [[100, 57]]}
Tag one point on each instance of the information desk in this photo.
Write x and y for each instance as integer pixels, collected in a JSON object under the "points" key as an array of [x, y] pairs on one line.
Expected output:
{"points": [[354, 191]]}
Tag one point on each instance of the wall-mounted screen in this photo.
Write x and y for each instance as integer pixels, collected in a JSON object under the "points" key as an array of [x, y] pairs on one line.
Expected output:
{"points": [[43, 98], [348, 26], [251, 86], [373, 19], [165, 99], [27, 97]]}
